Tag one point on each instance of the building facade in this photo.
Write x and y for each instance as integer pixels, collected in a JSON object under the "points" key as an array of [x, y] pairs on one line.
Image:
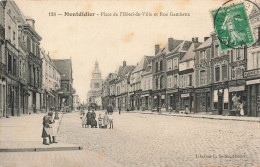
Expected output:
{"points": [[203, 76], [3, 71], [135, 82], [95, 93], [252, 72], [65, 93], [51, 82]]}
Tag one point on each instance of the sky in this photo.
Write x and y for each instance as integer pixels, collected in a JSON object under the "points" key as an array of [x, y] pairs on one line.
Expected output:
{"points": [[112, 39]]}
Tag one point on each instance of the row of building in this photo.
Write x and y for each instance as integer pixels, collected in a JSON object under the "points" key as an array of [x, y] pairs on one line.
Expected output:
{"points": [[30, 81], [190, 75]]}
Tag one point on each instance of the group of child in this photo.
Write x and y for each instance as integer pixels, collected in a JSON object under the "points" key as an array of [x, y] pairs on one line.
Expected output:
{"points": [[102, 122]]}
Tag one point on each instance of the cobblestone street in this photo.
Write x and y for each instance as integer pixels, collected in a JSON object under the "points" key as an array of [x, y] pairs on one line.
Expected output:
{"points": [[158, 140]]}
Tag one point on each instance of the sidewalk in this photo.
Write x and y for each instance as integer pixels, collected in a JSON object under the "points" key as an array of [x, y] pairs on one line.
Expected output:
{"points": [[20, 134], [203, 115]]}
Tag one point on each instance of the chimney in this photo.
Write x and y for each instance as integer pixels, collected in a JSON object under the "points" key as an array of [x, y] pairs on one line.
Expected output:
{"points": [[170, 44], [157, 48], [124, 63], [195, 39], [192, 39], [206, 38], [31, 22]]}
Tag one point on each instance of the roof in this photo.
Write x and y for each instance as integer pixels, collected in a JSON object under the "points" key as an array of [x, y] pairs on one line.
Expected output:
{"points": [[255, 10], [148, 69], [123, 71], [205, 44], [143, 63], [190, 54], [183, 47], [165, 49], [65, 68]]}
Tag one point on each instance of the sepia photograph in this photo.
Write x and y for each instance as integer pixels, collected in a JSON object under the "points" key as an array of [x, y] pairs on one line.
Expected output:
{"points": [[129, 83]]}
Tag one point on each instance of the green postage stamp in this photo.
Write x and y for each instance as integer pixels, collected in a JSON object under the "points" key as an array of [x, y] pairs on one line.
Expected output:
{"points": [[232, 26]]}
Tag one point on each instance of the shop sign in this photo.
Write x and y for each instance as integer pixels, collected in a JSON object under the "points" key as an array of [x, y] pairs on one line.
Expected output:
{"points": [[252, 72], [172, 91], [251, 82], [222, 86], [202, 90], [144, 95], [187, 90], [185, 95], [236, 88]]}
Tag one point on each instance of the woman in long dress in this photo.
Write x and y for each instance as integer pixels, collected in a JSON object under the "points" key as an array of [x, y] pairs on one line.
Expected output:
{"points": [[88, 118], [93, 119], [105, 120]]}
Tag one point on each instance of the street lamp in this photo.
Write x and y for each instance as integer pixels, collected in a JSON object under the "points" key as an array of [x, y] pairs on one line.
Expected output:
{"points": [[56, 111]]}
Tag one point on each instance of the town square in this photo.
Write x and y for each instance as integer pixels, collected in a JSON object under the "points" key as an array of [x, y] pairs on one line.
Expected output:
{"points": [[129, 84]]}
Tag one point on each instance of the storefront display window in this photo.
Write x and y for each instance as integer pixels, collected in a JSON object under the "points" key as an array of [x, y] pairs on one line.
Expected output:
{"points": [[225, 98], [215, 99]]}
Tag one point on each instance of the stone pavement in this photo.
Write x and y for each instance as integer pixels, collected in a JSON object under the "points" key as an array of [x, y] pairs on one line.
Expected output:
{"points": [[203, 115], [80, 158], [147, 140], [24, 134], [20, 136]]}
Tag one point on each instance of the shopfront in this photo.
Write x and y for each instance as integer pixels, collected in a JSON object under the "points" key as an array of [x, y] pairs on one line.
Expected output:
{"points": [[203, 100], [220, 99], [187, 100], [253, 97], [173, 99], [237, 97]]}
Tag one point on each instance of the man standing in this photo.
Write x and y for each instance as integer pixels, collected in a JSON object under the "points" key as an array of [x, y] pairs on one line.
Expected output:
{"points": [[119, 109]]}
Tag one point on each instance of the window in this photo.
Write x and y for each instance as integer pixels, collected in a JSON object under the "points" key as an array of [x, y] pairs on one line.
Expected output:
{"points": [[217, 74], [161, 82], [239, 54], [216, 51], [9, 63], [144, 84], [156, 66], [203, 77], [175, 81], [9, 33], [20, 64], [156, 83], [161, 65], [239, 72], [231, 55], [175, 63], [13, 35], [28, 43], [169, 64], [202, 56], [190, 80], [224, 72], [181, 81]]}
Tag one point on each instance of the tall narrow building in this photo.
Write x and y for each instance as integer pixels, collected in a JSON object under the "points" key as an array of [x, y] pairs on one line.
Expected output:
{"points": [[94, 95]]}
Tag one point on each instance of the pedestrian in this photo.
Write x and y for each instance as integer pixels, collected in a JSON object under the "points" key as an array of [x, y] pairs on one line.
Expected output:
{"points": [[100, 119], [111, 109], [105, 119], [93, 119], [119, 109], [111, 123], [88, 118], [54, 128], [83, 120], [45, 129]]}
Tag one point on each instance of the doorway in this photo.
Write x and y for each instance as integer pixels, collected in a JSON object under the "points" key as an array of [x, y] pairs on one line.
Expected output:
{"points": [[220, 102], [34, 102]]}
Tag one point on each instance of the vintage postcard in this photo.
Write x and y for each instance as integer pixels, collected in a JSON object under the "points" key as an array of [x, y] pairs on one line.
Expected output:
{"points": [[122, 83]]}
